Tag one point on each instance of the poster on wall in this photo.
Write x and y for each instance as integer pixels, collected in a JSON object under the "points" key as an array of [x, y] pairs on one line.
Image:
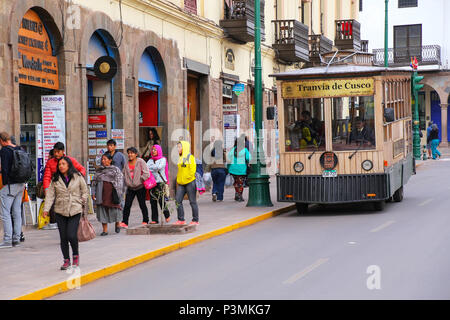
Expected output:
{"points": [[97, 138], [119, 136], [231, 123], [53, 122]]}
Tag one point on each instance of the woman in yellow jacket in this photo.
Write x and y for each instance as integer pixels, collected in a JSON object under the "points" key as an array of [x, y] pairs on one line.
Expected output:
{"points": [[186, 183]]}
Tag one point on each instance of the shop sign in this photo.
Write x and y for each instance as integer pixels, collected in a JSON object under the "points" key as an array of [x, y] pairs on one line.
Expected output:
{"points": [[37, 65], [97, 119], [328, 88], [238, 88], [119, 136]]}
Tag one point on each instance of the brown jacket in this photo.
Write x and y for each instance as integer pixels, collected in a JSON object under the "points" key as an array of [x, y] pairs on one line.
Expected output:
{"points": [[68, 200], [141, 173]]}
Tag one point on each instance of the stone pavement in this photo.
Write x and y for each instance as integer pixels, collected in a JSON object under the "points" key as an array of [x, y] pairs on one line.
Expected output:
{"points": [[35, 265]]}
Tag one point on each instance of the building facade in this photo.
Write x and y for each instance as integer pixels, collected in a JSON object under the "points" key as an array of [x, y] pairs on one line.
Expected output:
{"points": [[170, 65], [415, 28]]}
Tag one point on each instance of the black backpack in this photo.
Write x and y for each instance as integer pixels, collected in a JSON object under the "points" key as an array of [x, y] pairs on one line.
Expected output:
{"points": [[22, 168]]}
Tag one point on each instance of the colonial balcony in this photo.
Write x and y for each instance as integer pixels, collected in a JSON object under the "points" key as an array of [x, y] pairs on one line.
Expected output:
{"points": [[239, 22], [348, 36], [399, 57], [291, 41], [318, 45], [364, 45]]}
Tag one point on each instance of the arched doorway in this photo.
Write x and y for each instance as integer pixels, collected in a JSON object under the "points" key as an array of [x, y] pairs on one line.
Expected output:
{"points": [[102, 104], [40, 67], [150, 87]]}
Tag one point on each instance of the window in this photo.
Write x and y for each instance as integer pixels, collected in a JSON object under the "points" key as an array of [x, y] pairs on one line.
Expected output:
{"points": [[190, 6], [305, 124], [353, 123], [360, 5], [407, 43], [407, 3]]}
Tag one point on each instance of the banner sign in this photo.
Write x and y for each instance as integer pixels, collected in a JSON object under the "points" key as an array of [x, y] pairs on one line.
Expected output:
{"points": [[328, 88], [53, 122], [238, 88], [37, 65]]}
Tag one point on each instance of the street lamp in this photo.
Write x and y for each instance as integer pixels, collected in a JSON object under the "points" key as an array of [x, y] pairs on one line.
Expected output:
{"points": [[415, 88], [259, 191]]}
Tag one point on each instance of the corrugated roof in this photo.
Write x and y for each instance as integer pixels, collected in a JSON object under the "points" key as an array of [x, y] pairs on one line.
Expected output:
{"points": [[337, 69]]}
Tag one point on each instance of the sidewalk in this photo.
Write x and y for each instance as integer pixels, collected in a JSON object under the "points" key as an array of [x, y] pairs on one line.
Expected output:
{"points": [[35, 265]]}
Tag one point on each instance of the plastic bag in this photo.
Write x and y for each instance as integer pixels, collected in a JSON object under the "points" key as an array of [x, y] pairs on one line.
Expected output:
{"points": [[42, 221], [229, 180], [207, 178]]}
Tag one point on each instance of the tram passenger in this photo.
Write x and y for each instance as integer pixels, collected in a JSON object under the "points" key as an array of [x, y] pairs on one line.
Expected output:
{"points": [[362, 133]]}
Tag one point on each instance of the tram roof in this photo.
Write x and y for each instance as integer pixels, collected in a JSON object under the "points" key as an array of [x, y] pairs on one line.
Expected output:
{"points": [[337, 69]]}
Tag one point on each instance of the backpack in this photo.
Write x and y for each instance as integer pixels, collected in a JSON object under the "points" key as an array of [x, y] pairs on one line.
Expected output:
{"points": [[22, 168]]}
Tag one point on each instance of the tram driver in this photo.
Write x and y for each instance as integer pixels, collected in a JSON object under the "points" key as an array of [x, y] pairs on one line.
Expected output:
{"points": [[362, 133]]}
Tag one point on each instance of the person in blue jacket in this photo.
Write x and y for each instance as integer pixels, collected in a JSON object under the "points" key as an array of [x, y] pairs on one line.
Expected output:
{"points": [[239, 157]]}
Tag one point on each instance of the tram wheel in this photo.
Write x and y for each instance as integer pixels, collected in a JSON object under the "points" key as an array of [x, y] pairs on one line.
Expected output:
{"points": [[379, 205], [398, 195], [302, 208]]}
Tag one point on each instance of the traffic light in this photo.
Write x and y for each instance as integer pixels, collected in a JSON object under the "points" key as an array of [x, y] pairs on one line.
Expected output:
{"points": [[415, 82]]}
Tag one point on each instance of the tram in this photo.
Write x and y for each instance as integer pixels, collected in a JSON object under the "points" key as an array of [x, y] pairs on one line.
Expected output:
{"points": [[345, 133]]}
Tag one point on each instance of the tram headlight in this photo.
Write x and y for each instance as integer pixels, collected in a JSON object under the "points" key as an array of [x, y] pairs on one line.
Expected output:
{"points": [[298, 167], [367, 165]]}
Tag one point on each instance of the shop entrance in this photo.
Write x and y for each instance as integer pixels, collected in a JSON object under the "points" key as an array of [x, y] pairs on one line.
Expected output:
{"points": [[193, 115]]}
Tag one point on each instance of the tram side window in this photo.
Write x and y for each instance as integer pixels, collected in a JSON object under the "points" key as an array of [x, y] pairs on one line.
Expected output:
{"points": [[353, 123], [304, 124]]}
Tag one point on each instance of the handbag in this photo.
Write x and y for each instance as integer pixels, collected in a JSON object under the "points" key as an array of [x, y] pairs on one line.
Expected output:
{"points": [[85, 231], [150, 183]]}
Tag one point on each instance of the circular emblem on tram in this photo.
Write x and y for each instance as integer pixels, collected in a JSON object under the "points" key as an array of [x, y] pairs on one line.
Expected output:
{"points": [[328, 160]]}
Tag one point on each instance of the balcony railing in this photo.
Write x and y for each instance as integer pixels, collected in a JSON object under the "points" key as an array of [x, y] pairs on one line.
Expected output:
{"points": [[96, 102], [291, 41], [426, 55], [348, 35], [239, 20], [318, 45]]}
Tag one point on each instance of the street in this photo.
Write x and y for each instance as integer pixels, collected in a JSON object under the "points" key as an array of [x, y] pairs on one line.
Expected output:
{"points": [[333, 252]]}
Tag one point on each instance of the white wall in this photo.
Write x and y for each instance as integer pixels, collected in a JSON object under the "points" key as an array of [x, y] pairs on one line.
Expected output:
{"points": [[430, 13]]}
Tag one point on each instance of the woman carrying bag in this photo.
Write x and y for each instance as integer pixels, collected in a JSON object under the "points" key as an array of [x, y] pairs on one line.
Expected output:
{"points": [[107, 192], [239, 157], [69, 193], [159, 167], [135, 173]]}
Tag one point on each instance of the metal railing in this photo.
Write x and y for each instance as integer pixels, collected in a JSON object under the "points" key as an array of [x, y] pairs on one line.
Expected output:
{"points": [[426, 55]]}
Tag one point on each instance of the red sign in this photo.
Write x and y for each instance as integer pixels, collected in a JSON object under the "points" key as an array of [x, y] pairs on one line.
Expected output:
{"points": [[97, 119]]}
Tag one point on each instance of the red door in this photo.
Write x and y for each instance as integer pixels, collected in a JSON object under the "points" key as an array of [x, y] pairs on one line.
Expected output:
{"points": [[148, 107]]}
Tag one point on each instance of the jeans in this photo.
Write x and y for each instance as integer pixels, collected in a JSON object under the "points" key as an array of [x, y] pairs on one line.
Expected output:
{"points": [[68, 228], [218, 176], [155, 197], [141, 193], [434, 150], [191, 190], [11, 199]]}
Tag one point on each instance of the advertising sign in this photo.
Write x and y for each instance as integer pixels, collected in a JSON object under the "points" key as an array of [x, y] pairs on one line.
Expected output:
{"points": [[37, 65], [53, 122]]}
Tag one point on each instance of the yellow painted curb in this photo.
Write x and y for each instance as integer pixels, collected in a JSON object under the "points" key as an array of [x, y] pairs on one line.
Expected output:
{"points": [[95, 275]]}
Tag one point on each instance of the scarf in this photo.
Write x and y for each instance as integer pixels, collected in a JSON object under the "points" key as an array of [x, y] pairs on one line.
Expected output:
{"points": [[110, 174], [159, 156]]}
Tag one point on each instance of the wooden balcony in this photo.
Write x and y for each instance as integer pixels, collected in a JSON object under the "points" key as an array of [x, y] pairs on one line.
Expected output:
{"points": [[97, 103], [348, 36], [291, 41], [239, 22], [318, 45], [398, 57]]}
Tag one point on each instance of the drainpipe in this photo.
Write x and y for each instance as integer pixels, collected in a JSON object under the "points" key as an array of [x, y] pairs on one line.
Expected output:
{"points": [[386, 2]]}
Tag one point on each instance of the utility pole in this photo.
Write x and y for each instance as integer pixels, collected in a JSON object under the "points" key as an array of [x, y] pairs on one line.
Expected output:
{"points": [[259, 192], [386, 26], [415, 88]]}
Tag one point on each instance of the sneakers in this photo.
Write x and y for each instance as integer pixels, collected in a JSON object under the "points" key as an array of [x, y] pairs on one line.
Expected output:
{"points": [[153, 222], [50, 226], [144, 223], [76, 261], [5, 245], [194, 223], [168, 219], [16, 244], [123, 225], [179, 222], [66, 264], [214, 197]]}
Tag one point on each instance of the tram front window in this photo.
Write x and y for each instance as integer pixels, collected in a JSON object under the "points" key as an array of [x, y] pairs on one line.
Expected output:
{"points": [[353, 123], [304, 124]]}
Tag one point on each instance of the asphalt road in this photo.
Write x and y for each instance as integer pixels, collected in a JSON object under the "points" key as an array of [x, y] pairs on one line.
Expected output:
{"points": [[338, 252]]}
